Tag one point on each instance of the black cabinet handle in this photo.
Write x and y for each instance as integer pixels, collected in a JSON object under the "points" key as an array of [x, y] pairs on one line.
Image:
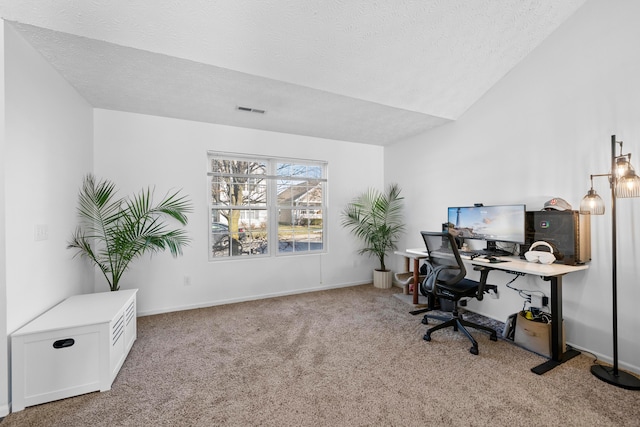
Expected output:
{"points": [[67, 342]]}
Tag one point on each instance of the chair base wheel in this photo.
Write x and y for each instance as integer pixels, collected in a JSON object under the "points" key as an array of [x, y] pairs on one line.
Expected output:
{"points": [[425, 321], [473, 350], [493, 337], [427, 337]]}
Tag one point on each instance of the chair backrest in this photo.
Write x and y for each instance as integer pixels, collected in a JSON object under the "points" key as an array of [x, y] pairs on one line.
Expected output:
{"points": [[442, 250]]}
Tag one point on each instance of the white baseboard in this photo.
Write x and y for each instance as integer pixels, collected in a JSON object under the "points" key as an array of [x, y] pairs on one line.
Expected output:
{"points": [[248, 298], [607, 359]]}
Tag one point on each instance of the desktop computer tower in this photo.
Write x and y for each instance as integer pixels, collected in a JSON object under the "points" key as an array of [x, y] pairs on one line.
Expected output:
{"points": [[568, 232]]}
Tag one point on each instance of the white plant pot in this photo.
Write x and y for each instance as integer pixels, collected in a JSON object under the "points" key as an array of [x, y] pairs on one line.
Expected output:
{"points": [[382, 279]]}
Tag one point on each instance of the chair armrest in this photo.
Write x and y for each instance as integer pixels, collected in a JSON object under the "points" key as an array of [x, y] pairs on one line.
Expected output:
{"points": [[482, 267], [484, 275]]}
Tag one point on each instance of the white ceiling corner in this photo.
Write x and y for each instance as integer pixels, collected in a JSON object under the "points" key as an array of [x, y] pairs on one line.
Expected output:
{"points": [[362, 71]]}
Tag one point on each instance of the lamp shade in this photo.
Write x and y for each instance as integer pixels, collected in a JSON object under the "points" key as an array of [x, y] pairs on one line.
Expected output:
{"points": [[622, 166], [628, 185], [592, 204]]}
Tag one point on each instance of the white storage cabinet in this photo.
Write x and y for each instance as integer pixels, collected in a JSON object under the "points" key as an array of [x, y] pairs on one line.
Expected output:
{"points": [[76, 347]]}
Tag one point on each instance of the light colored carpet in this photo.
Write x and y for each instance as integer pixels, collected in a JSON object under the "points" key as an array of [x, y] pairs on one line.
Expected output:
{"points": [[344, 357]]}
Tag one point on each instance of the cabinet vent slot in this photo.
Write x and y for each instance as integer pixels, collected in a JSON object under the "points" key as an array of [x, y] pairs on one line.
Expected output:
{"points": [[131, 311], [117, 330]]}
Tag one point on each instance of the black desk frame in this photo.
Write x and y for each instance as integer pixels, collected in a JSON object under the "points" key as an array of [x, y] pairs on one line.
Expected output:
{"points": [[552, 273], [558, 356]]}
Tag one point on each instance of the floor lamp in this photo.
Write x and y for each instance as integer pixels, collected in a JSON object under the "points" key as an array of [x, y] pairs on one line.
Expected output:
{"points": [[624, 183]]}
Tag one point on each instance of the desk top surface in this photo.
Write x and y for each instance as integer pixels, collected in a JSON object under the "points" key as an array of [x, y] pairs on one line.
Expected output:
{"points": [[512, 263]]}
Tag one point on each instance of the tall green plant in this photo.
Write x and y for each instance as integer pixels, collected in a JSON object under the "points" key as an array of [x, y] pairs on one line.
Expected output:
{"points": [[376, 218], [114, 231]]}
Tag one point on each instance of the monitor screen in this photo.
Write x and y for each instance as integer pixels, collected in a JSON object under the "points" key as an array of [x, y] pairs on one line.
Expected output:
{"points": [[500, 223]]}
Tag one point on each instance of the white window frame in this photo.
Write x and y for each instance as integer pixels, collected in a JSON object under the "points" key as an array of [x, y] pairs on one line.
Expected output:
{"points": [[272, 207]]}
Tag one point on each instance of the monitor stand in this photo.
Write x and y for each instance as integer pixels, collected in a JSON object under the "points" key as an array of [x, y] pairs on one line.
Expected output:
{"points": [[492, 249]]}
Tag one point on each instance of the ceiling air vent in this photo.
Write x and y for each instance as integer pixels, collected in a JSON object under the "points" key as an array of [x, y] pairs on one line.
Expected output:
{"points": [[250, 110]]}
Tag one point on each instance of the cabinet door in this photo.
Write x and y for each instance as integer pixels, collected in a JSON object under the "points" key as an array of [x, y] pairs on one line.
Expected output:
{"points": [[60, 364]]}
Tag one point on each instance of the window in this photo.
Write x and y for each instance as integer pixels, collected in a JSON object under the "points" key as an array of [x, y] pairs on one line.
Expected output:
{"points": [[261, 206]]}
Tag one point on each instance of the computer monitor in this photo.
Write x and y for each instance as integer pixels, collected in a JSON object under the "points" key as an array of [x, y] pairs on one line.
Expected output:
{"points": [[500, 223]]}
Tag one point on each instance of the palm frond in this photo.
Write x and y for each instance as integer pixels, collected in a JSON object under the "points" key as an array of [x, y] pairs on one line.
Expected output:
{"points": [[82, 244], [176, 206], [122, 230]]}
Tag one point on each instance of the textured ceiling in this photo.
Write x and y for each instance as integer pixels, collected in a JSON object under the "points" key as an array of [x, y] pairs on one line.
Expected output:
{"points": [[364, 71]]}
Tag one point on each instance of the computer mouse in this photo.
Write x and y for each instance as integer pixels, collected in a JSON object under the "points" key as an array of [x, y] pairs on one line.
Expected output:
{"points": [[493, 259]]}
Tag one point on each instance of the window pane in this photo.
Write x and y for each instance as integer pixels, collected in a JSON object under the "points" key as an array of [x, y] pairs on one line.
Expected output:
{"points": [[234, 191], [255, 192], [313, 196], [314, 171], [257, 236], [237, 232], [238, 182], [218, 191], [299, 230], [299, 192], [238, 167], [285, 196], [283, 169], [299, 170]]}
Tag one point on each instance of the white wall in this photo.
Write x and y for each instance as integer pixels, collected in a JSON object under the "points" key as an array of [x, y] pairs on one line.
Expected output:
{"points": [[4, 361], [540, 133], [47, 148], [136, 151]]}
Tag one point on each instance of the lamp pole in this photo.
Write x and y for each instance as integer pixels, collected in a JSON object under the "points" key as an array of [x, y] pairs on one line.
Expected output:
{"points": [[614, 255], [613, 375]]}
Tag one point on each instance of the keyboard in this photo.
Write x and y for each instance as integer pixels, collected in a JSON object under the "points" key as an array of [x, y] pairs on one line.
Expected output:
{"points": [[477, 255], [470, 254], [463, 254]]}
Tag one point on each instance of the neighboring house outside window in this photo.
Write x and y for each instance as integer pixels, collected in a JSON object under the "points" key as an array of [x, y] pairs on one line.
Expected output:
{"points": [[264, 206]]}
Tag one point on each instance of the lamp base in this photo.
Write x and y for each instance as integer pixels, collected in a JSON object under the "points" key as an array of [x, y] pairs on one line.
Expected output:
{"points": [[622, 380]]}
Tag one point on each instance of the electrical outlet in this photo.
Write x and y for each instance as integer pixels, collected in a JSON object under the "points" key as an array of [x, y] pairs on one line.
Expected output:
{"points": [[40, 232], [536, 301]]}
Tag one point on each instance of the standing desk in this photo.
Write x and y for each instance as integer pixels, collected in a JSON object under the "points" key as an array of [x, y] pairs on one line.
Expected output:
{"points": [[548, 272]]}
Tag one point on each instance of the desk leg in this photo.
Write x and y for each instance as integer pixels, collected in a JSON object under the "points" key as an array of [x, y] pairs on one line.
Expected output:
{"points": [[416, 279], [558, 356]]}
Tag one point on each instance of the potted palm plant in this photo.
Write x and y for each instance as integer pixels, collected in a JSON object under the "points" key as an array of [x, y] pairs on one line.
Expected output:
{"points": [[114, 231], [376, 218]]}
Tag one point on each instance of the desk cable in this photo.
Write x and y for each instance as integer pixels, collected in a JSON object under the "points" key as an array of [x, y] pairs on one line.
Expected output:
{"points": [[524, 293]]}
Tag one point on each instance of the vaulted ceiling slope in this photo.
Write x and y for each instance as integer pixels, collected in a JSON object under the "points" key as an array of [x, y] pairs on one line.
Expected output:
{"points": [[356, 70]]}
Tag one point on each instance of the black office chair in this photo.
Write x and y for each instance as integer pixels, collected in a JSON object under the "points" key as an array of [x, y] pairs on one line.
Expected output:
{"points": [[447, 281]]}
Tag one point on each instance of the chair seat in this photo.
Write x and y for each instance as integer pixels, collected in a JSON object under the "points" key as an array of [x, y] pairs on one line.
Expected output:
{"points": [[462, 289]]}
